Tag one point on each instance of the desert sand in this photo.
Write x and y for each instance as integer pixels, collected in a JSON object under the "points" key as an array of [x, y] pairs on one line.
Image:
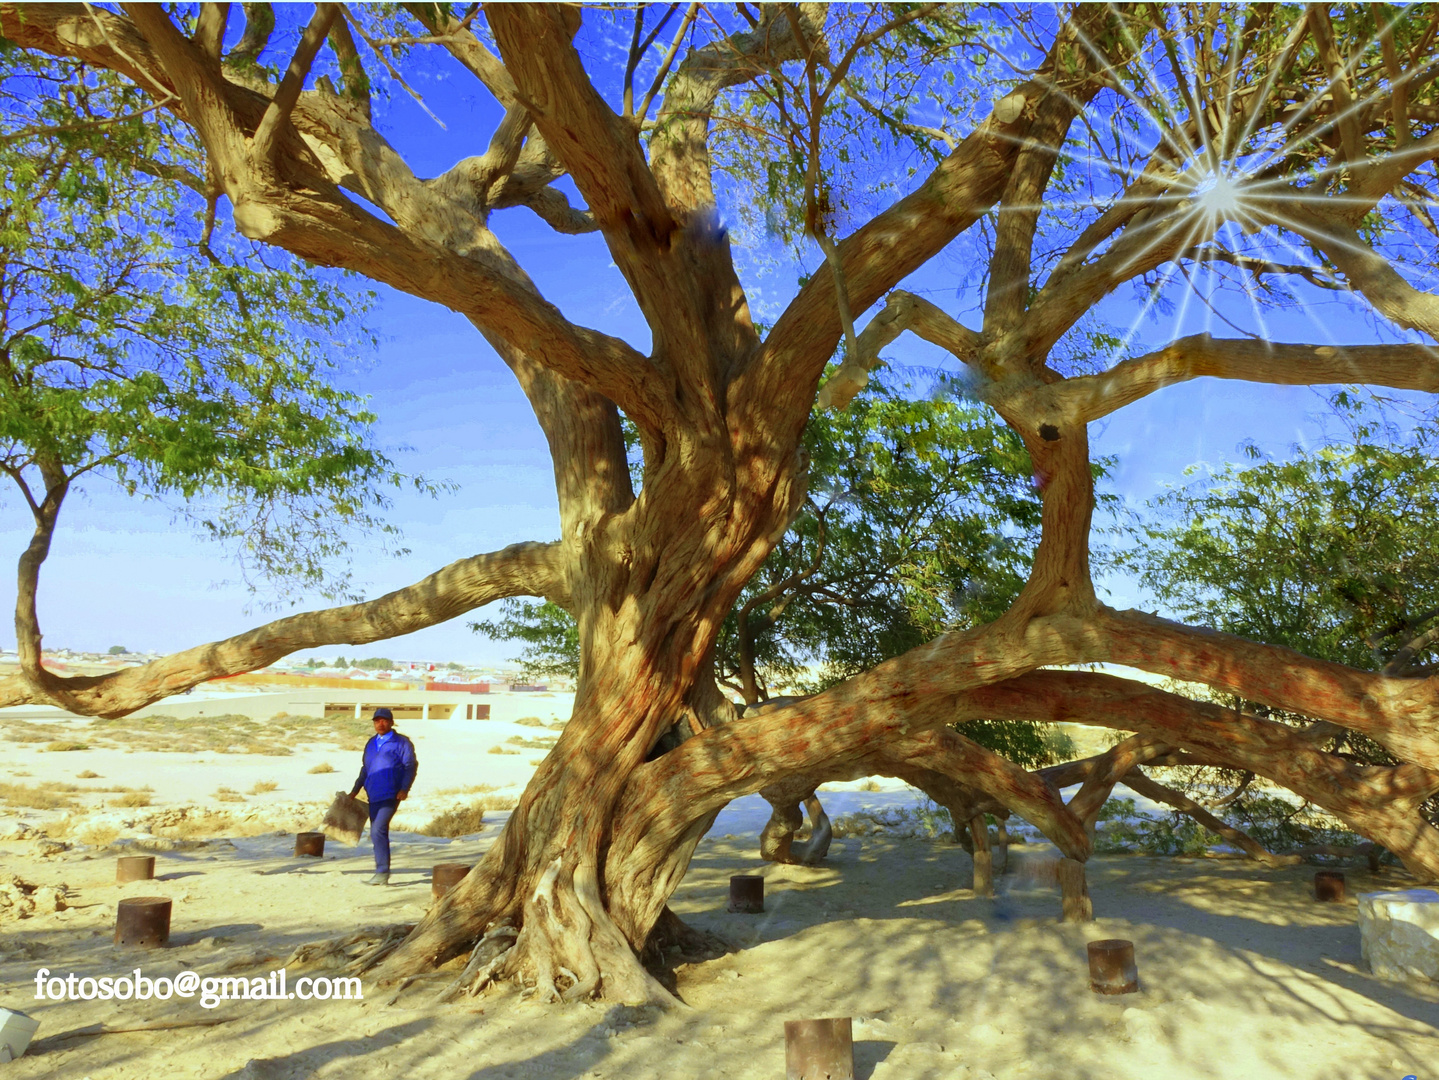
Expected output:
{"points": [[1243, 973]]}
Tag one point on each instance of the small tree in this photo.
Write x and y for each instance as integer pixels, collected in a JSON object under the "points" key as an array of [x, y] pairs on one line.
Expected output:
{"points": [[144, 346], [1332, 552]]}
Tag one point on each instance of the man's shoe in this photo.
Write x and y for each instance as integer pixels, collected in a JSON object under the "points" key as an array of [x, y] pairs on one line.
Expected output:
{"points": [[379, 879]]}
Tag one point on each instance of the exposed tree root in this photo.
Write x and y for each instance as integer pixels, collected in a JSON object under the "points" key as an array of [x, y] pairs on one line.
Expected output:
{"points": [[485, 961], [357, 952]]}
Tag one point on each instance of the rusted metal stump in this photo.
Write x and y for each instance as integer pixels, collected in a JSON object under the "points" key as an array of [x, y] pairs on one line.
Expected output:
{"points": [[1111, 967], [819, 1049], [310, 843], [143, 921], [1329, 885], [134, 868], [746, 894], [445, 876]]}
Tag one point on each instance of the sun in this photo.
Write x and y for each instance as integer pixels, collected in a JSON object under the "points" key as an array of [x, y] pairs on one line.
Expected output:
{"points": [[1218, 196]]}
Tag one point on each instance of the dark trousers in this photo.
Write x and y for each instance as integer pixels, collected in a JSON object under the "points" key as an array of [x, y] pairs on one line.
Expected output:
{"points": [[380, 814]]}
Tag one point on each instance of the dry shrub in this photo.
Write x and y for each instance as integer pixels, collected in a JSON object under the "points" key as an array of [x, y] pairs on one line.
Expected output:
{"points": [[132, 799], [870, 785], [530, 721], [225, 794], [20, 731], [323, 767], [537, 761], [207, 824], [469, 789], [50, 797], [97, 833], [88, 775], [61, 747], [558, 725], [262, 786], [501, 750], [457, 821], [532, 744], [230, 733], [81, 827]]}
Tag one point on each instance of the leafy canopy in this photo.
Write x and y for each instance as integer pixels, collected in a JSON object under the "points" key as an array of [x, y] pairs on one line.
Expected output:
{"points": [[1334, 552], [142, 343]]}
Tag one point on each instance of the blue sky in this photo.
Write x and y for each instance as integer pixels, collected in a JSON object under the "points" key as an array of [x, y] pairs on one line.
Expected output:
{"points": [[122, 571]]}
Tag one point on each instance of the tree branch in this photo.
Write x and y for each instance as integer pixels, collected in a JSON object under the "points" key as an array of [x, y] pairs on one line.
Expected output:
{"points": [[1143, 785], [1401, 714], [1379, 802], [522, 569], [283, 103], [902, 311], [210, 29], [1089, 397], [669, 58]]}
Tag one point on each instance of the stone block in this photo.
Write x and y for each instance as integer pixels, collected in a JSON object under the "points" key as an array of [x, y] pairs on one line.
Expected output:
{"points": [[1399, 933]]}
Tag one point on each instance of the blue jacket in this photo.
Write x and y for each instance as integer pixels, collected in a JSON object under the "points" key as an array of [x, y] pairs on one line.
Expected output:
{"points": [[388, 769]]}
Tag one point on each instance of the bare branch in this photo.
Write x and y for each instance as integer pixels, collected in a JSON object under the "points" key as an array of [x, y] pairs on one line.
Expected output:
{"points": [[1142, 785], [1402, 714], [669, 59], [1381, 803], [1079, 400], [1108, 769], [210, 29], [902, 311], [1365, 269], [1323, 30], [293, 81], [354, 80]]}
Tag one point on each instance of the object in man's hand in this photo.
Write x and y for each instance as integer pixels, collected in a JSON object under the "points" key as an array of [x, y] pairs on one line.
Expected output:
{"points": [[345, 819]]}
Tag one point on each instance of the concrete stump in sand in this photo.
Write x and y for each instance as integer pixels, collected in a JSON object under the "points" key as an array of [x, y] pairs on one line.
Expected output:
{"points": [[1329, 885], [746, 894], [445, 876], [1112, 969], [143, 921], [134, 868], [819, 1049]]}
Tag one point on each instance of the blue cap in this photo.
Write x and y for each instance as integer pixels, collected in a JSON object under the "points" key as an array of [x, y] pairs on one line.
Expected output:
{"points": [[383, 713]]}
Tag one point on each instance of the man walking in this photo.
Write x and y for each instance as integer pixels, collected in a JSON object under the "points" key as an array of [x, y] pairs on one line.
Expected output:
{"points": [[388, 770]]}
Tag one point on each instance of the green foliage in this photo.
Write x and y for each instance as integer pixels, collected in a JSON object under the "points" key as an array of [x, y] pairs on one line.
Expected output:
{"points": [[1032, 745], [177, 360], [118, 650], [921, 518], [375, 663], [550, 634], [1122, 828], [1334, 552]]}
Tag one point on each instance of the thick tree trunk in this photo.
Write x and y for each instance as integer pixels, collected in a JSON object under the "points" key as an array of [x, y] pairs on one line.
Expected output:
{"points": [[544, 876], [1074, 891]]}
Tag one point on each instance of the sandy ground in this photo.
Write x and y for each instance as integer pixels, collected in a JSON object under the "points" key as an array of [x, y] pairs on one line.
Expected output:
{"points": [[1242, 972]]}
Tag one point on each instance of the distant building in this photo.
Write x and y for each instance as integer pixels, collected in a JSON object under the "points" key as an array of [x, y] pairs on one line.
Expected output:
{"points": [[329, 702]]}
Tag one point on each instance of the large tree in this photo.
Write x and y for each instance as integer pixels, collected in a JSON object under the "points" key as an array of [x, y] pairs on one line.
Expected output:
{"points": [[1074, 152]]}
